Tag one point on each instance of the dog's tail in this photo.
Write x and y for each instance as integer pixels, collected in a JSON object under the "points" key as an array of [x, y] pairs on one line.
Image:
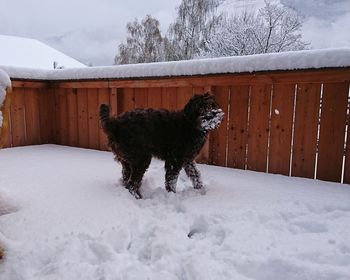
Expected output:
{"points": [[104, 116]]}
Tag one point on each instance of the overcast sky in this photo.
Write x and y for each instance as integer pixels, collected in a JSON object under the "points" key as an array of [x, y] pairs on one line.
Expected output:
{"points": [[90, 30]]}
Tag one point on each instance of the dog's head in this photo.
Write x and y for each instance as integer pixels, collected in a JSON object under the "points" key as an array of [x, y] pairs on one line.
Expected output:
{"points": [[204, 112]]}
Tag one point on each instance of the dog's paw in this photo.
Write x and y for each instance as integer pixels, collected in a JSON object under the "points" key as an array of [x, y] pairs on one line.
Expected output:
{"points": [[171, 189], [135, 193], [201, 190]]}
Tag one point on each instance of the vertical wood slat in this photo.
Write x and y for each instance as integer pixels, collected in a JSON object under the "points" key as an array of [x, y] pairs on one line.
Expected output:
{"points": [[332, 131], [184, 94], [141, 98], [155, 98], [63, 123], [32, 119], [305, 130], [169, 98], [104, 98], [18, 127], [113, 96], [93, 125], [57, 116], [218, 137], [126, 100], [47, 115], [72, 115], [258, 130], [83, 135], [238, 126], [281, 128]]}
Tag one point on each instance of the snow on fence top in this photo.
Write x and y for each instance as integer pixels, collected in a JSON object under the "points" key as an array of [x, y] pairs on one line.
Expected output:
{"points": [[310, 59], [5, 82]]}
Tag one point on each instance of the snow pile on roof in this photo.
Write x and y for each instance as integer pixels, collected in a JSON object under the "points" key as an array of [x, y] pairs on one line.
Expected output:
{"points": [[310, 59], [25, 52], [76, 221], [5, 82]]}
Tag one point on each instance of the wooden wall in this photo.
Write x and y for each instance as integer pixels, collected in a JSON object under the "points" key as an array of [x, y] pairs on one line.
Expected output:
{"points": [[291, 123]]}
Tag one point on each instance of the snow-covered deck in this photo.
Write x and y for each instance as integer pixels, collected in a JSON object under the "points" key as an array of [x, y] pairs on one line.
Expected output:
{"points": [[74, 220]]}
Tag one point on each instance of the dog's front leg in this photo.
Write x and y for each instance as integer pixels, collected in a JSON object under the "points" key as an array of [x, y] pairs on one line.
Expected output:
{"points": [[194, 174], [172, 170]]}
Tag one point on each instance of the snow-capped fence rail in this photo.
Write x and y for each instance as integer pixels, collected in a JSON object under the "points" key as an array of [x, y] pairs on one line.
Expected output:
{"points": [[291, 122]]}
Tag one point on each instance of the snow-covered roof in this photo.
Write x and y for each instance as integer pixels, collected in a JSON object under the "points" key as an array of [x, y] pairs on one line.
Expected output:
{"points": [[5, 82], [308, 59], [25, 52]]}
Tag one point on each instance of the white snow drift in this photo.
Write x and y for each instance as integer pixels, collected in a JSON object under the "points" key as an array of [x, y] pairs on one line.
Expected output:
{"points": [[76, 221]]}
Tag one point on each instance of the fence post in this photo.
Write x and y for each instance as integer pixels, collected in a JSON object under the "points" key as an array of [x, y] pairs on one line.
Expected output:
{"points": [[5, 109]]}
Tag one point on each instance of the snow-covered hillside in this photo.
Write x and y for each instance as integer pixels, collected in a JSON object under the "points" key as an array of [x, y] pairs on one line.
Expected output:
{"points": [[30, 53], [70, 218]]}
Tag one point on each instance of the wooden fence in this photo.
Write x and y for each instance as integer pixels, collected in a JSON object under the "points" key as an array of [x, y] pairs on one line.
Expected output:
{"points": [[291, 123]]}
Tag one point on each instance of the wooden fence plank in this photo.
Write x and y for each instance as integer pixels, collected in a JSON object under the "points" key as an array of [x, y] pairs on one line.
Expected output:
{"points": [[200, 90], [63, 123], [18, 126], [155, 98], [305, 130], [47, 115], [57, 116], [238, 126], [83, 130], [93, 123], [113, 94], [72, 115], [104, 98], [141, 98], [258, 130], [31, 99], [184, 94], [126, 100], [169, 98], [281, 128], [218, 137], [332, 131]]}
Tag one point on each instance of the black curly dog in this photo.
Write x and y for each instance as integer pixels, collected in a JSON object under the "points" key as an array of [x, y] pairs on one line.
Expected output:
{"points": [[173, 136]]}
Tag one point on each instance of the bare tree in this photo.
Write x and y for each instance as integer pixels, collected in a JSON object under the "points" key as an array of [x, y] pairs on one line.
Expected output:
{"points": [[144, 43], [190, 32], [275, 28]]}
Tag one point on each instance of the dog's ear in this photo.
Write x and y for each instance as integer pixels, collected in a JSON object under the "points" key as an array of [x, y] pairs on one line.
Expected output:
{"points": [[208, 94]]}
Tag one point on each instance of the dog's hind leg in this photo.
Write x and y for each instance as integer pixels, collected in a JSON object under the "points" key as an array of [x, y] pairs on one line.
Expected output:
{"points": [[126, 172], [194, 174], [137, 172], [172, 170]]}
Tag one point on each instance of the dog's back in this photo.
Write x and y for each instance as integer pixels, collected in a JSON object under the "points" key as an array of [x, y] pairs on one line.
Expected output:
{"points": [[161, 133]]}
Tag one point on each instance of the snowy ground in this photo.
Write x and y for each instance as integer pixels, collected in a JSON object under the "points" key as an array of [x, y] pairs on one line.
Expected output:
{"points": [[73, 220]]}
